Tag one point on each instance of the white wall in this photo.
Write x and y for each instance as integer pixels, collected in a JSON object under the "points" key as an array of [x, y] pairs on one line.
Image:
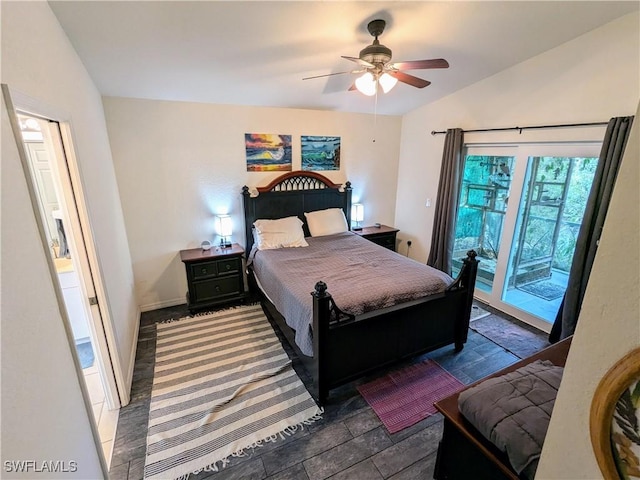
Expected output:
{"points": [[609, 327], [42, 412], [179, 163], [589, 79]]}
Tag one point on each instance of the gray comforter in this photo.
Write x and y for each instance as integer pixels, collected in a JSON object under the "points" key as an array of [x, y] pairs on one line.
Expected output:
{"points": [[513, 411], [360, 275]]}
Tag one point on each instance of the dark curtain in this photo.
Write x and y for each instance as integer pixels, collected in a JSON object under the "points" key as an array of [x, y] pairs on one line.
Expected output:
{"points": [[604, 180], [444, 223]]}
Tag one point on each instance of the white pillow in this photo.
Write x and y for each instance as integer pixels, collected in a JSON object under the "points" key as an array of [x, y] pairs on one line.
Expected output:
{"points": [[280, 233], [326, 222]]}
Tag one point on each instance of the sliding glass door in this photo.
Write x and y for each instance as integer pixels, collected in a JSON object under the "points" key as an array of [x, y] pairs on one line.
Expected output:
{"points": [[521, 208], [483, 204]]}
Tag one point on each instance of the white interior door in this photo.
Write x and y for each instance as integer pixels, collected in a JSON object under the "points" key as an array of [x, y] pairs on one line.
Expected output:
{"points": [[89, 283], [41, 172], [57, 140]]}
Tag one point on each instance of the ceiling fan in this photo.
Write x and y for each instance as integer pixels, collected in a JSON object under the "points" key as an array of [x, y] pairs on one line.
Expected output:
{"points": [[375, 62]]}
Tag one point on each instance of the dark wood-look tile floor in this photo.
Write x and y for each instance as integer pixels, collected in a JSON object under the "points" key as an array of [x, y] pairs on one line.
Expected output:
{"points": [[349, 442]]}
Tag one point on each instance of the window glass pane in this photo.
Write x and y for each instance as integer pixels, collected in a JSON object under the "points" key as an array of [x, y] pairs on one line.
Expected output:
{"points": [[483, 202], [549, 216]]}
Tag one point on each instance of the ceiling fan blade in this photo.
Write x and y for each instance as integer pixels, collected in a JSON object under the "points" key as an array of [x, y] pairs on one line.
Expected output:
{"points": [[420, 64], [410, 79], [352, 88], [330, 74], [359, 61]]}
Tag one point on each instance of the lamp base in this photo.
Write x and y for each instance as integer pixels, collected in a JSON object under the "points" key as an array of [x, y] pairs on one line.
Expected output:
{"points": [[356, 229]]}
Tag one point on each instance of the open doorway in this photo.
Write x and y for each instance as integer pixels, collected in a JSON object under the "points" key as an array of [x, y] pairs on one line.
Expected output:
{"points": [[48, 171]]}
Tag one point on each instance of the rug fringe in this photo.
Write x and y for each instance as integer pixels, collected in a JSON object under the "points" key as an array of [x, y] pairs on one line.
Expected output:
{"points": [[210, 312], [287, 432]]}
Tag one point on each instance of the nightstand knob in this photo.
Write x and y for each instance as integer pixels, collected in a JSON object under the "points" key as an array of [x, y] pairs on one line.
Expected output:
{"points": [[228, 267], [217, 288], [204, 271]]}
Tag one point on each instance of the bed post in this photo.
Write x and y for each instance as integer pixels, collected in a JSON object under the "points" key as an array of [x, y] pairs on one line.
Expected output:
{"points": [[347, 202], [248, 214], [467, 281], [321, 317]]}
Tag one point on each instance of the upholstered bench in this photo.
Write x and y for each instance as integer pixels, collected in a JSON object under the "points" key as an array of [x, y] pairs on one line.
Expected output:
{"points": [[464, 452]]}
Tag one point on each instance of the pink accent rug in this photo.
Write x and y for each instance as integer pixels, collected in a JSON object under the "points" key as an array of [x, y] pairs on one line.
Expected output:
{"points": [[404, 397]]}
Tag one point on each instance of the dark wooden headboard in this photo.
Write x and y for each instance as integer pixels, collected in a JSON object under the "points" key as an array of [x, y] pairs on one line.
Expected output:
{"points": [[294, 193]]}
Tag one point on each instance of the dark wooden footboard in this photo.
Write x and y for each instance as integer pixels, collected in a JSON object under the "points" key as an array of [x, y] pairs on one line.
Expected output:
{"points": [[347, 347]]}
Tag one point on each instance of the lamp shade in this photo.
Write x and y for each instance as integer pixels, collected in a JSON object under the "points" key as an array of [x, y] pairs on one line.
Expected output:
{"points": [[387, 82], [357, 212], [366, 84], [225, 227]]}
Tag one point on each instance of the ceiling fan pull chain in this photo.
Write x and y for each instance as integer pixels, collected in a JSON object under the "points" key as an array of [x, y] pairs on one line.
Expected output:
{"points": [[375, 114]]}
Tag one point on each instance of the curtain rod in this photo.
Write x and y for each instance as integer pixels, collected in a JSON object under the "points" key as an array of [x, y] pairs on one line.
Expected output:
{"points": [[592, 124]]}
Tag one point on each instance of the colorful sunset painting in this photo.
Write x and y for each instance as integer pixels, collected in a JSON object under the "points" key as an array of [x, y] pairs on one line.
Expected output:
{"points": [[268, 152], [320, 153]]}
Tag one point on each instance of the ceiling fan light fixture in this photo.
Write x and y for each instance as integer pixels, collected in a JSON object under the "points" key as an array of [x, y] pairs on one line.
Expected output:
{"points": [[387, 82], [366, 84], [375, 60]]}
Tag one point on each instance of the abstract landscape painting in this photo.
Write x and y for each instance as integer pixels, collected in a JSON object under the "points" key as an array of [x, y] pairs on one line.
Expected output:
{"points": [[320, 153], [268, 152]]}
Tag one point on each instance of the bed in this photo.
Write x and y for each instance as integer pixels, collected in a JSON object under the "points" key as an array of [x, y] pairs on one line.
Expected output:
{"points": [[344, 341]]}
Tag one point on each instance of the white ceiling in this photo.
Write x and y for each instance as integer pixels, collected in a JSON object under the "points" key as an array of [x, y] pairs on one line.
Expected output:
{"points": [[256, 53]]}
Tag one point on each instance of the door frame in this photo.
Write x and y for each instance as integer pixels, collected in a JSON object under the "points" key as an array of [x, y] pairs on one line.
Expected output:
{"points": [[92, 288], [521, 153], [62, 311], [74, 209]]}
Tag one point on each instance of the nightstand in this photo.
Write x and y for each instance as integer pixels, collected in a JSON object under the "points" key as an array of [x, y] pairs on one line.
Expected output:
{"points": [[382, 235], [214, 276]]}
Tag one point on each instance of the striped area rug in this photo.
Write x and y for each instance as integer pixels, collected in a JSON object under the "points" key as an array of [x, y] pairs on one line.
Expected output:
{"points": [[404, 397], [222, 383]]}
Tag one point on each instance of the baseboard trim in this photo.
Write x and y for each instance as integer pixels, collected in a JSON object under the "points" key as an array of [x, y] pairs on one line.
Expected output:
{"points": [[132, 358], [157, 305]]}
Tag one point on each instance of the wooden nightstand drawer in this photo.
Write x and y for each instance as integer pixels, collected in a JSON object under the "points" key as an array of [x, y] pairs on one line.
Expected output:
{"points": [[203, 270], [230, 265], [216, 288]]}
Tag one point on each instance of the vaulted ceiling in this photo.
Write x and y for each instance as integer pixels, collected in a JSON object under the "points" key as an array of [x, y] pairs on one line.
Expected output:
{"points": [[257, 53]]}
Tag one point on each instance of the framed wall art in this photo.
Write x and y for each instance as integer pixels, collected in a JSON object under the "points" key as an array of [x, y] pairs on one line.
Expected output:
{"points": [[615, 419], [268, 152], [320, 153]]}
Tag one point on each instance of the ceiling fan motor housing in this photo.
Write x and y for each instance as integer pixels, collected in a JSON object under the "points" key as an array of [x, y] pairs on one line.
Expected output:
{"points": [[376, 53]]}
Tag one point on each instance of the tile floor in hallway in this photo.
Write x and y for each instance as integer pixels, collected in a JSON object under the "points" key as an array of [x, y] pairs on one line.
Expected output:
{"points": [[107, 420], [349, 442]]}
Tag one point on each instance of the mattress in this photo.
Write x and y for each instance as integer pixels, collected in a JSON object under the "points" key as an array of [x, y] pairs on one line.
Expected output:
{"points": [[360, 275]]}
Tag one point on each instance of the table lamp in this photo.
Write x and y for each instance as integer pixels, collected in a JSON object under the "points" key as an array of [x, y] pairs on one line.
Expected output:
{"points": [[357, 214]]}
